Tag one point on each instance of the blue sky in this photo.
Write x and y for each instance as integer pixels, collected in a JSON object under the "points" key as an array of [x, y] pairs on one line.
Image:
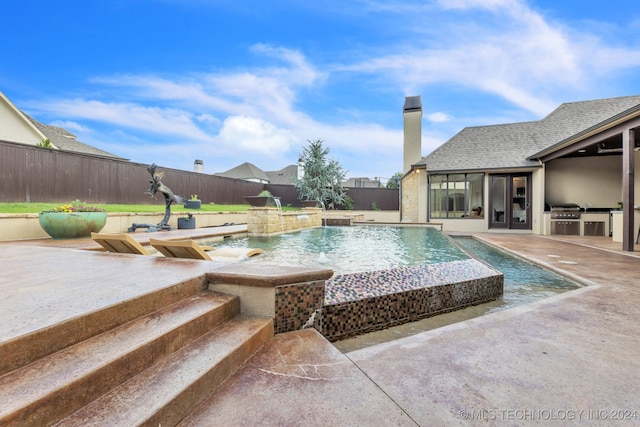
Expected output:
{"points": [[229, 81]]}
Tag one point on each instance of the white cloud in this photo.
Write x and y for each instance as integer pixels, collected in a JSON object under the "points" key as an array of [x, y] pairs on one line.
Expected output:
{"points": [[510, 51], [477, 4], [166, 121], [70, 126], [254, 135], [503, 48], [438, 117]]}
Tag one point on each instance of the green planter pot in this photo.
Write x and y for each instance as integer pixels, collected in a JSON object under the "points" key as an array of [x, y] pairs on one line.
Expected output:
{"points": [[63, 225]]}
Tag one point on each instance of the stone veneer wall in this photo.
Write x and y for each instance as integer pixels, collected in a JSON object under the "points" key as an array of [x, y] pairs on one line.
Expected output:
{"points": [[410, 199], [364, 302], [343, 220], [269, 221]]}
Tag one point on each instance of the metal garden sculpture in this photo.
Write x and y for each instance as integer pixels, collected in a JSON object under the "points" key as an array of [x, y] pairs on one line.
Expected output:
{"points": [[156, 185]]}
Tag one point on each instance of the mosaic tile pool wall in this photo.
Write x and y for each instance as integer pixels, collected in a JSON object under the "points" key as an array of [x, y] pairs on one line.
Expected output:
{"points": [[358, 303], [295, 304]]}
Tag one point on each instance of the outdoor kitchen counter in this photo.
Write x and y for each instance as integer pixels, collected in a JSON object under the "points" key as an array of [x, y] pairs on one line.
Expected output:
{"points": [[616, 226], [589, 223]]}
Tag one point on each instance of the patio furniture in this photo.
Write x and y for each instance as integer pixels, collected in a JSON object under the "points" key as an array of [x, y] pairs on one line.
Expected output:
{"points": [[192, 250], [120, 242], [180, 249]]}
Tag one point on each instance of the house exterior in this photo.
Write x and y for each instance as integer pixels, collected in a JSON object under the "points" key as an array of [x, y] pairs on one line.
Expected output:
{"points": [[362, 182], [18, 127], [287, 176], [518, 177], [247, 172]]}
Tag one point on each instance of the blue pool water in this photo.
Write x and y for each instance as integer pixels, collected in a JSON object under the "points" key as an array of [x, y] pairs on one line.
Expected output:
{"points": [[523, 282], [369, 248], [352, 249]]}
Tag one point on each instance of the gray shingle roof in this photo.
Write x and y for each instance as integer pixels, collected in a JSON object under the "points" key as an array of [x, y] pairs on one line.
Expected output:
{"points": [[510, 145], [66, 141], [285, 176], [246, 171]]}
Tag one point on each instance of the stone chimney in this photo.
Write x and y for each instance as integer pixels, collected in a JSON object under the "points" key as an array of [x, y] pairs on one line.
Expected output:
{"points": [[198, 166], [412, 113], [300, 174]]}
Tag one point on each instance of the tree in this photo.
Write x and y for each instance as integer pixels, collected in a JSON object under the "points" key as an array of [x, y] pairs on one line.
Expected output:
{"points": [[394, 181], [44, 143], [322, 178]]}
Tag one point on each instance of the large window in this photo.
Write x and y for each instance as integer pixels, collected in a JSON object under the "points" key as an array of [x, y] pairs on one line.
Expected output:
{"points": [[457, 195]]}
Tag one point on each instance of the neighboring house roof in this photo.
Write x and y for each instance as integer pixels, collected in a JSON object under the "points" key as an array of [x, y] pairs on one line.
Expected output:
{"points": [[285, 176], [361, 183], [247, 172], [16, 127], [23, 129], [66, 141], [514, 145]]}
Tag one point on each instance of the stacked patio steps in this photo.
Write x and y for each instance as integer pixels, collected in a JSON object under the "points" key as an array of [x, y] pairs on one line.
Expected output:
{"points": [[152, 370]]}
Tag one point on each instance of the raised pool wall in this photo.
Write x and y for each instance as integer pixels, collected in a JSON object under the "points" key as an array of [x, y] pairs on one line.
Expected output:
{"points": [[352, 304], [364, 302], [291, 296], [269, 221]]}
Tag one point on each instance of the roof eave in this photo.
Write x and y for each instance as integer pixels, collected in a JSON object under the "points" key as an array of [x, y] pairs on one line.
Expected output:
{"points": [[482, 170], [600, 127], [23, 116]]}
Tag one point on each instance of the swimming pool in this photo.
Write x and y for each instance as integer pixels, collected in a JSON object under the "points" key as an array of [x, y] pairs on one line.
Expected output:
{"points": [[524, 282], [389, 275], [352, 249]]}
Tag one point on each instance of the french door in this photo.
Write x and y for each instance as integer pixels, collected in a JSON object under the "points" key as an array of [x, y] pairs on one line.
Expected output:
{"points": [[510, 201]]}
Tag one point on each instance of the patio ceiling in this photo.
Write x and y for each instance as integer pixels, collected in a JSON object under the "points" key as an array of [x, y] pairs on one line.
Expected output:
{"points": [[611, 146], [593, 142]]}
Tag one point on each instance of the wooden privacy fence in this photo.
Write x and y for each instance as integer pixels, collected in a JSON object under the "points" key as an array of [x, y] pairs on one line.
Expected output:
{"points": [[385, 199], [34, 174]]}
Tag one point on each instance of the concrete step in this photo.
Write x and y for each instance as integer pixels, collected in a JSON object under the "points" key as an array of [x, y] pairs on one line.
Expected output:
{"points": [[30, 345], [298, 379], [169, 390], [57, 385]]}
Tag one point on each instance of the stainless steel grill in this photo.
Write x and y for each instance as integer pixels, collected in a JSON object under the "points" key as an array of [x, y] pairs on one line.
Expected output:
{"points": [[565, 211]]}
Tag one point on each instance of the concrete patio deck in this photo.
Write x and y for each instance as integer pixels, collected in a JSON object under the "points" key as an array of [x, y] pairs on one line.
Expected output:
{"points": [[566, 360], [570, 359]]}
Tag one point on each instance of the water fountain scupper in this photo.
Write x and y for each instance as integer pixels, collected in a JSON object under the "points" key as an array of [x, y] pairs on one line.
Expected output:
{"points": [[279, 206], [324, 214]]}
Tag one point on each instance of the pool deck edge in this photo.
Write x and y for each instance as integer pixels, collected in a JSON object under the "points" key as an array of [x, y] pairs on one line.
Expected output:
{"points": [[571, 359]]}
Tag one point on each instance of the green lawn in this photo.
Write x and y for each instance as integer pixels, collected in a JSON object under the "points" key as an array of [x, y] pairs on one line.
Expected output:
{"points": [[39, 207]]}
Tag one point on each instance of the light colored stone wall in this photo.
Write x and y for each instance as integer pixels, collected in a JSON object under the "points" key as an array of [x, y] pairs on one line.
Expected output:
{"points": [[269, 221], [412, 138], [372, 216], [409, 204], [27, 226]]}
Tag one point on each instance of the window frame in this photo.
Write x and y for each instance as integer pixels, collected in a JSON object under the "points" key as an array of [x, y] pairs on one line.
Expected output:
{"points": [[450, 204]]}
